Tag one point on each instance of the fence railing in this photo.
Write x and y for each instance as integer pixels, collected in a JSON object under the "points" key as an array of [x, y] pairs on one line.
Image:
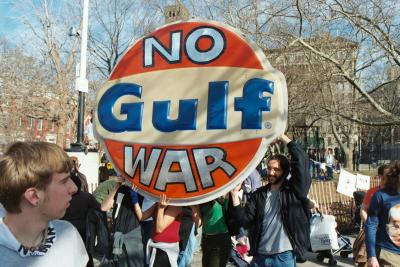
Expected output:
{"points": [[378, 153]]}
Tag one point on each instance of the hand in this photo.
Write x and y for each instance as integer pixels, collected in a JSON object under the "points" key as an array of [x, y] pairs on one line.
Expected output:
{"points": [[119, 180], [164, 202], [236, 189], [313, 204], [284, 138], [135, 187], [373, 262], [235, 195]]}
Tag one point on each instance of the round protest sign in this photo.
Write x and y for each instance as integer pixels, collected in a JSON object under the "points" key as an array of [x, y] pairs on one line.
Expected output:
{"points": [[189, 111]]}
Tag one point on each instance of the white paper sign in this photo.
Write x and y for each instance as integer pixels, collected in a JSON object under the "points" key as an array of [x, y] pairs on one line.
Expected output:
{"points": [[347, 183], [89, 166], [363, 182]]}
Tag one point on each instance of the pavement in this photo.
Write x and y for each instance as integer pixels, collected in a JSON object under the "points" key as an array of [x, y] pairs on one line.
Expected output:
{"points": [[311, 259]]}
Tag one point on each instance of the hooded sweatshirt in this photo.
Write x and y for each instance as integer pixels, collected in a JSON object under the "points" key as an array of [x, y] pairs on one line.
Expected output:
{"points": [[62, 246]]}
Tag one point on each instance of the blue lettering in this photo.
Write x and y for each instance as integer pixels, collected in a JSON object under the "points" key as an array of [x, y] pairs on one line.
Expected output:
{"points": [[217, 105], [186, 119], [133, 121], [253, 103]]}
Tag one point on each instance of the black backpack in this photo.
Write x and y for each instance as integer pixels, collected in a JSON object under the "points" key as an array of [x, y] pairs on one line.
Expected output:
{"points": [[126, 219]]}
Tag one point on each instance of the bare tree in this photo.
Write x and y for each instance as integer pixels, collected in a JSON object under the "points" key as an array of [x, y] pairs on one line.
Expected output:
{"points": [[372, 29], [48, 24], [373, 25], [115, 25], [315, 88], [23, 95]]}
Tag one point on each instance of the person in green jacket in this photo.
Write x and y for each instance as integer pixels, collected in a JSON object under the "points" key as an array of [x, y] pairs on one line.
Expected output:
{"points": [[216, 242]]}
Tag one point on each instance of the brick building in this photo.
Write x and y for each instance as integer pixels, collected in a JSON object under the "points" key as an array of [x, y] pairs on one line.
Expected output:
{"points": [[306, 76]]}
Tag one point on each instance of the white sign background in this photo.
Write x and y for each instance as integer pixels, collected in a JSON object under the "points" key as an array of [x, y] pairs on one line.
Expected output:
{"points": [[347, 183], [363, 182], [89, 166]]}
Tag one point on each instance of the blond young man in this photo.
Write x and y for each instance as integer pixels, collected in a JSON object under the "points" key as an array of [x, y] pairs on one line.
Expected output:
{"points": [[35, 190]]}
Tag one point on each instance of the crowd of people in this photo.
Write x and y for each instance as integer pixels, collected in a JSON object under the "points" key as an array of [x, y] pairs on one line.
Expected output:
{"points": [[323, 165], [50, 218], [379, 239]]}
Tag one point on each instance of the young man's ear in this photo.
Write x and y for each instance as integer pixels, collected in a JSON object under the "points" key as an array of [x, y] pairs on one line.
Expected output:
{"points": [[32, 195]]}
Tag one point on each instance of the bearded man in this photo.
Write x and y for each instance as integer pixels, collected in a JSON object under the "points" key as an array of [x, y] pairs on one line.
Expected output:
{"points": [[277, 214]]}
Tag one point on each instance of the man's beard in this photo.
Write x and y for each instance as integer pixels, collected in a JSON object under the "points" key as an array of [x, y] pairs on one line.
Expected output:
{"points": [[275, 180]]}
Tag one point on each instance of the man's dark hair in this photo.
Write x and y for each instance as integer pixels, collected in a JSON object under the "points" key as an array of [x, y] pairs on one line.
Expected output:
{"points": [[381, 169], [76, 179], [283, 163], [392, 177], [103, 174]]}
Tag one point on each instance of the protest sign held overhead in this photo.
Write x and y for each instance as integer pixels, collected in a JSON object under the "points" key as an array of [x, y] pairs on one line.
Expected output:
{"points": [[189, 111], [347, 183], [363, 182]]}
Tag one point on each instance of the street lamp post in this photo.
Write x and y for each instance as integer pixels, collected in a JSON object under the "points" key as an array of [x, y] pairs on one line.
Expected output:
{"points": [[81, 84]]}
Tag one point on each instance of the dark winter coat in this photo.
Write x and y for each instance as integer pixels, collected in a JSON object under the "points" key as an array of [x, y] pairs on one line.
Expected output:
{"points": [[293, 203]]}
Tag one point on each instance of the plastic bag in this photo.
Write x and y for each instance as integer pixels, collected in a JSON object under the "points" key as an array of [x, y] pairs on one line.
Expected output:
{"points": [[323, 234]]}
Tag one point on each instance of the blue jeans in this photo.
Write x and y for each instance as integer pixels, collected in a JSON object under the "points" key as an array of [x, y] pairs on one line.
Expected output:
{"points": [[284, 259]]}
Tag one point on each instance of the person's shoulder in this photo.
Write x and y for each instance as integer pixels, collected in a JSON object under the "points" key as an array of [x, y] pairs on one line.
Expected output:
{"points": [[382, 193], [387, 193], [64, 228], [10, 257], [372, 190], [295, 148], [87, 195], [68, 246], [61, 224], [81, 196]]}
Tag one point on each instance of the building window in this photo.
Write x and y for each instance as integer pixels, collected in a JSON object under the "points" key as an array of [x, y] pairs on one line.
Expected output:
{"points": [[40, 125], [19, 122], [31, 122]]}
